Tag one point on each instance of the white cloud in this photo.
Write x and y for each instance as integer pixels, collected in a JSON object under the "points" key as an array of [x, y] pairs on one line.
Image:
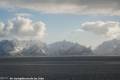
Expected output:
{"points": [[109, 28], [22, 28], [103, 7], [23, 14], [79, 30]]}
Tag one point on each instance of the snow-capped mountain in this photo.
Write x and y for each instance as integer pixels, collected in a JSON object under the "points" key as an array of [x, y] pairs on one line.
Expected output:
{"points": [[38, 48], [22, 48], [111, 47], [35, 49], [66, 48]]}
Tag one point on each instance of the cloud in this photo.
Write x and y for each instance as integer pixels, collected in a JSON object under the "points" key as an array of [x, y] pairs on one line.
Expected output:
{"points": [[109, 28], [84, 7], [22, 28], [79, 30], [23, 14]]}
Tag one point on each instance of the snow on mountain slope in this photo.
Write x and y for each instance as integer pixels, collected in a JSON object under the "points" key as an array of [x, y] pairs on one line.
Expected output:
{"points": [[21, 48], [111, 47], [66, 48], [37, 48]]}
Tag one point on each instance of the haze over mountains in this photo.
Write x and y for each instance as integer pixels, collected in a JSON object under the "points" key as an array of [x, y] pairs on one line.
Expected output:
{"points": [[61, 48]]}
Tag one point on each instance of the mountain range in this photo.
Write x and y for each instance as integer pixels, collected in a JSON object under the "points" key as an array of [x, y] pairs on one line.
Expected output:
{"points": [[38, 48], [60, 48]]}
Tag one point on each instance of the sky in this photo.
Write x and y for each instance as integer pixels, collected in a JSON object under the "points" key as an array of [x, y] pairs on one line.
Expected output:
{"points": [[88, 22]]}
